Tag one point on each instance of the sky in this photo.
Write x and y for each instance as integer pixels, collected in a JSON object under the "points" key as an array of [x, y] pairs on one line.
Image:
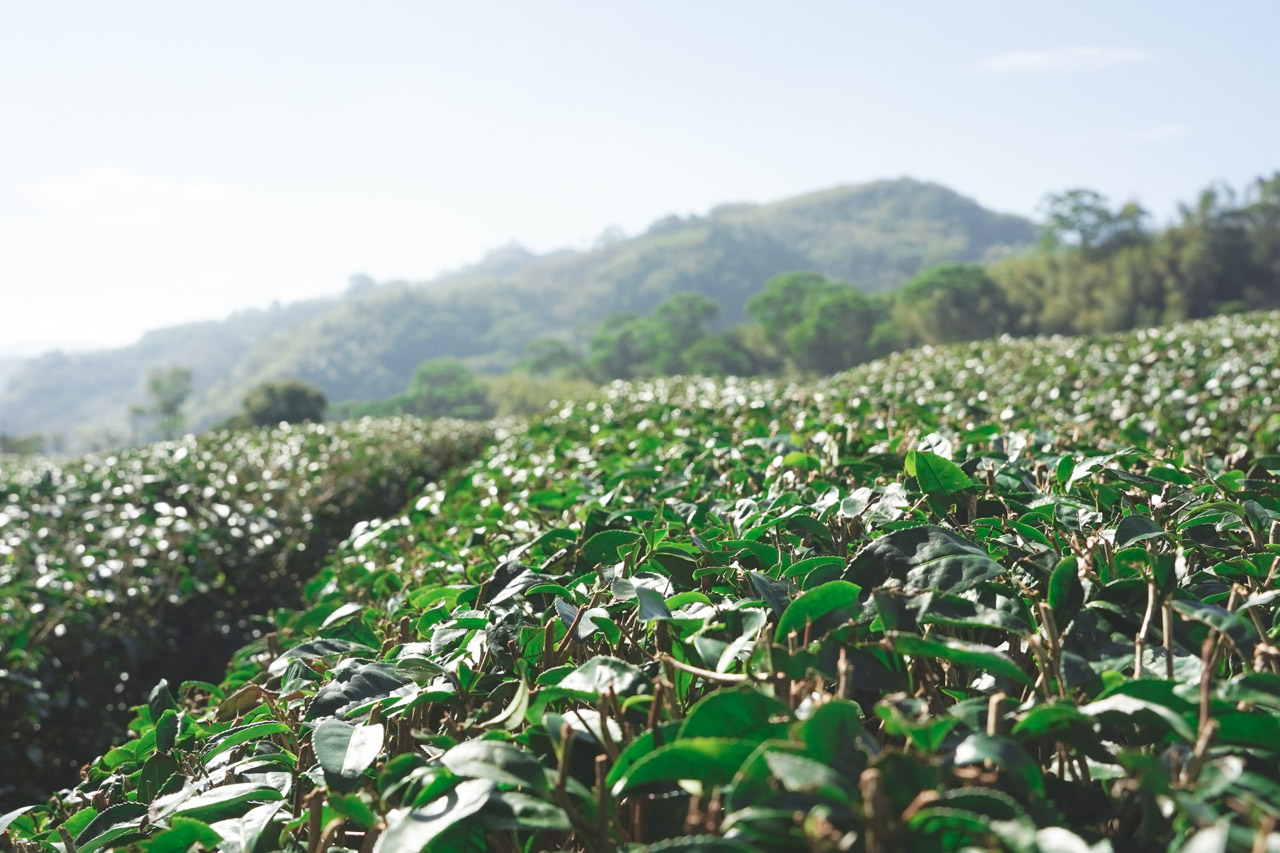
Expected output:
{"points": [[167, 162]]}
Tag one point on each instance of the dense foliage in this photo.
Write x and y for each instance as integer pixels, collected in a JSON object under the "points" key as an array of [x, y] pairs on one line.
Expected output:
{"points": [[285, 401], [439, 388], [1014, 595], [116, 569]]}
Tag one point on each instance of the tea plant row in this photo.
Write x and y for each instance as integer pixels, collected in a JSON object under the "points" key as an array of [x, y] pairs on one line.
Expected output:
{"points": [[117, 569]]}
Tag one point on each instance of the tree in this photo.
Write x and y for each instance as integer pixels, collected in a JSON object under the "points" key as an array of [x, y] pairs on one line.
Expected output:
{"points": [[21, 445], [737, 351], [785, 301], [547, 356], [1081, 218], [610, 236], [447, 388], [622, 348], [1076, 218], [835, 333], [629, 346], [169, 388], [679, 323], [951, 303], [288, 401]]}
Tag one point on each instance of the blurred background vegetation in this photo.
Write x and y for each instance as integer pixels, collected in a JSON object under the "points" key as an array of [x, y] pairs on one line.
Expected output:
{"points": [[810, 285]]}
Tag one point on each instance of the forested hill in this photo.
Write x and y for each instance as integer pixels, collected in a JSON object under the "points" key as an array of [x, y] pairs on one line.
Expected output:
{"points": [[366, 345]]}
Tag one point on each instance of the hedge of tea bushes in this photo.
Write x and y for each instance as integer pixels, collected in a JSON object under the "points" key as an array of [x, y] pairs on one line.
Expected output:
{"points": [[114, 568]]}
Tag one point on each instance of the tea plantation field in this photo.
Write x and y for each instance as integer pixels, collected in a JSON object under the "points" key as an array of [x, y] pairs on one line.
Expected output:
{"points": [[1016, 595]]}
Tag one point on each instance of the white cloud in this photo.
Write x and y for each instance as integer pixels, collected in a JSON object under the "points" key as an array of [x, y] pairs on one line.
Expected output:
{"points": [[114, 196], [1065, 59]]}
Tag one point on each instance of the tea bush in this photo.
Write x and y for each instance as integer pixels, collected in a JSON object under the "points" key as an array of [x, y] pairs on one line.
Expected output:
{"points": [[1009, 596]]}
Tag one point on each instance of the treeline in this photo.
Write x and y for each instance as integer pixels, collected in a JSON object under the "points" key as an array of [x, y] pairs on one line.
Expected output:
{"points": [[1097, 269], [1100, 270]]}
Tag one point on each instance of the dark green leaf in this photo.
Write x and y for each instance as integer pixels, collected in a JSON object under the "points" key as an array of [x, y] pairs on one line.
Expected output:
{"points": [[242, 834], [216, 804], [600, 674], [354, 808], [499, 762], [110, 824], [355, 686], [981, 658], [166, 731], [345, 751], [184, 833], [736, 713], [925, 557], [231, 738], [834, 727], [513, 811], [1004, 753], [821, 609], [1136, 528], [1257, 731], [651, 604], [320, 648], [774, 593], [1237, 627], [412, 829], [709, 760], [603, 547], [160, 699], [806, 775], [1066, 595]]}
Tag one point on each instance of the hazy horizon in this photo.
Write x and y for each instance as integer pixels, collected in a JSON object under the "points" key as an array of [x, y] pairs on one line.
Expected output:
{"points": [[24, 351], [174, 164]]}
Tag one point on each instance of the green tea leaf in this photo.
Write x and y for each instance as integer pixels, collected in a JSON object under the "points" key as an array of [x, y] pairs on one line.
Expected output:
{"points": [[823, 607], [409, 830], [345, 751], [1136, 528], [501, 763], [980, 657], [924, 557], [184, 833], [937, 476], [709, 760], [742, 712], [603, 547]]}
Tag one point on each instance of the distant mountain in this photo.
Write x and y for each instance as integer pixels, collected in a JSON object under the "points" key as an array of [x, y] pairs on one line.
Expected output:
{"points": [[366, 345], [9, 365], [85, 396]]}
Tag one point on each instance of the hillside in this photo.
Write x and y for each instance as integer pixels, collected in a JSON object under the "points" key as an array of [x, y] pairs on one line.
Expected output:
{"points": [[365, 346], [998, 596]]}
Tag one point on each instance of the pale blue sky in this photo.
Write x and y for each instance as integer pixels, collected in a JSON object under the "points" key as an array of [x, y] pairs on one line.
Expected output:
{"points": [[162, 162]]}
